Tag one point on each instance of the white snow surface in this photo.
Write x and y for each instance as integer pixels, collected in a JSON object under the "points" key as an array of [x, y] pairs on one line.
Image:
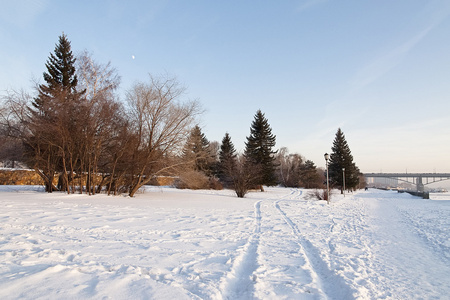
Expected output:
{"points": [[181, 244]]}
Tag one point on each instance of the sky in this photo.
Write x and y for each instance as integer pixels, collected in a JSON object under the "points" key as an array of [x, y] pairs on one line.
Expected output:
{"points": [[379, 70]]}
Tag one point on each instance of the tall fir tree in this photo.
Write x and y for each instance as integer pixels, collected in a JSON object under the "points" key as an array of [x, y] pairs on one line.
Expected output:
{"points": [[342, 158], [197, 150], [61, 80], [309, 177], [258, 150], [227, 160], [54, 115]]}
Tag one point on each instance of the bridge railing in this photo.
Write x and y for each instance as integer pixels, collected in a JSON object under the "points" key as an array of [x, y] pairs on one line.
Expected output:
{"points": [[424, 195]]}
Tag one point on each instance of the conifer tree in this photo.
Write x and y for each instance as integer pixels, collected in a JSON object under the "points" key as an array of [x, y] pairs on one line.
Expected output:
{"points": [[61, 80], [54, 115], [341, 157], [309, 177], [197, 150], [258, 150], [227, 160]]}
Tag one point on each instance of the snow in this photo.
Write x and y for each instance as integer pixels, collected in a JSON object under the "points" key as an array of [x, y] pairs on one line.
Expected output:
{"points": [[182, 244]]}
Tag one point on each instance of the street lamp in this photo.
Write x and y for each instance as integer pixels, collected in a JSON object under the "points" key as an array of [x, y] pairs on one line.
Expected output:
{"points": [[343, 179], [327, 156]]}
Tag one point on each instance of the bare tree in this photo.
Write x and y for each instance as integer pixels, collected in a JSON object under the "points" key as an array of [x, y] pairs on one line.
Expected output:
{"points": [[11, 151], [101, 114], [14, 114], [161, 123], [288, 167], [95, 78], [245, 176], [39, 142], [11, 147]]}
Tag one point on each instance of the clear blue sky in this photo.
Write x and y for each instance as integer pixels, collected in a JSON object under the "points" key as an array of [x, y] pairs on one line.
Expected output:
{"points": [[379, 70]]}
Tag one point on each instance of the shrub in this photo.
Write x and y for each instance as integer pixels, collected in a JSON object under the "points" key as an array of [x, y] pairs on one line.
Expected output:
{"points": [[193, 180], [215, 184], [319, 194]]}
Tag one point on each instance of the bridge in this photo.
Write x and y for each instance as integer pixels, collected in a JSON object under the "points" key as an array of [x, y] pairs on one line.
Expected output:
{"points": [[419, 179]]}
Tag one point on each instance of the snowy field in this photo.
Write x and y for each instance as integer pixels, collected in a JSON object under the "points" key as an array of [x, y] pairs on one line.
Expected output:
{"points": [[181, 244]]}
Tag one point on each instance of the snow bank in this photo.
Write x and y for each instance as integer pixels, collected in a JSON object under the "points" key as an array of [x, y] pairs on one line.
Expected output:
{"points": [[181, 244]]}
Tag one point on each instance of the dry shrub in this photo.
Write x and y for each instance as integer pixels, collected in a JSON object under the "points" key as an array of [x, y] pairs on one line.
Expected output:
{"points": [[162, 180], [193, 180], [319, 194], [215, 184]]}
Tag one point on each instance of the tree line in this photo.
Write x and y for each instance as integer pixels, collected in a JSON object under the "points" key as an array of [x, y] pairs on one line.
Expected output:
{"points": [[79, 136]]}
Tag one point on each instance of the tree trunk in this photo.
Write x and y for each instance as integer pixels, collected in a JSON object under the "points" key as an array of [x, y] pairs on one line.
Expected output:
{"points": [[48, 181]]}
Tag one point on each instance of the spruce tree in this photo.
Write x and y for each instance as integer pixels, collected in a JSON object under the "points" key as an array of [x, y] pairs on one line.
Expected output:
{"points": [[258, 150], [198, 151], [54, 115], [61, 80], [309, 177], [341, 157], [227, 160]]}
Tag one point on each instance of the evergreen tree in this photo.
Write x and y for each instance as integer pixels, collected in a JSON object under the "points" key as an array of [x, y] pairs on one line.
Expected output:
{"points": [[61, 80], [55, 115], [227, 160], [341, 157], [258, 150], [198, 151], [309, 177]]}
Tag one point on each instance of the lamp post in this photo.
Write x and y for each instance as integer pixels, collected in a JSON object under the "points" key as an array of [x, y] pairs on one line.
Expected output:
{"points": [[343, 179], [327, 156]]}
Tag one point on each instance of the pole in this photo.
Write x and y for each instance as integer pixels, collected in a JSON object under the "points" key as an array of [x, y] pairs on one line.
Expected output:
{"points": [[343, 179], [328, 186]]}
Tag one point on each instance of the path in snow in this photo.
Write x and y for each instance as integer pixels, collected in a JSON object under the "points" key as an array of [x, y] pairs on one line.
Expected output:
{"points": [[331, 284], [284, 270], [239, 282], [278, 262]]}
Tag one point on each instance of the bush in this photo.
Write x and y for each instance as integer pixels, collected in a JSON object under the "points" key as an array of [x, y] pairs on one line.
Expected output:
{"points": [[192, 180], [215, 184], [319, 194], [196, 180]]}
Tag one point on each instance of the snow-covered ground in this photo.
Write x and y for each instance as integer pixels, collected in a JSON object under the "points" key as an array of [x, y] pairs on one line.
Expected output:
{"points": [[181, 244]]}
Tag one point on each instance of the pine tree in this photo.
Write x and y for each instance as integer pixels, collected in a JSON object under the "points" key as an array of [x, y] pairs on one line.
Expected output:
{"points": [[61, 80], [198, 151], [341, 157], [227, 160], [55, 116], [309, 177], [258, 151]]}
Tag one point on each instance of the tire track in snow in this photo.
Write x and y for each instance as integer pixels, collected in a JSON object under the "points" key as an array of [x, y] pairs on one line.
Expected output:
{"points": [[239, 282], [331, 284]]}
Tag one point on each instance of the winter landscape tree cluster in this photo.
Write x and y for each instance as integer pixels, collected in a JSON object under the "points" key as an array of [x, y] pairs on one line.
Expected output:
{"points": [[77, 129], [79, 136]]}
